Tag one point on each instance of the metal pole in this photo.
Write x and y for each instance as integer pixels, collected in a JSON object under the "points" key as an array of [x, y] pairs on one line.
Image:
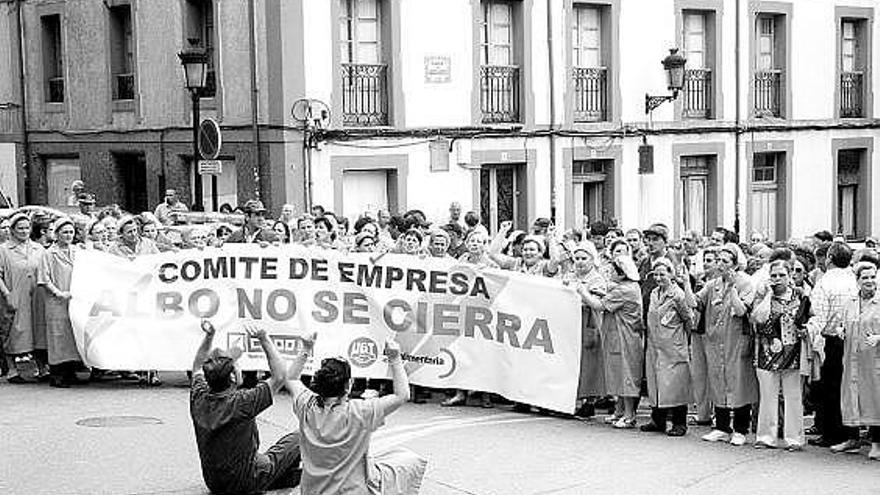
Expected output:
{"points": [[198, 200]]}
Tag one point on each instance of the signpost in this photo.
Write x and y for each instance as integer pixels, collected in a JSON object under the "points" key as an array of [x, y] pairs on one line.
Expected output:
{"points": [[210, 140]]}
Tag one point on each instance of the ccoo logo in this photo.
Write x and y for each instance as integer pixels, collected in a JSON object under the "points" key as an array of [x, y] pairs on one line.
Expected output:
{"points": [[363, 352]]}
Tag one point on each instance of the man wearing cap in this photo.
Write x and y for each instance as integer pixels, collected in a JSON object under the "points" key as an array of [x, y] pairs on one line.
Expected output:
{"points": [[76, 188], [656, 238], [225, 424], [254, 229], [86, 204], [171, 205]]}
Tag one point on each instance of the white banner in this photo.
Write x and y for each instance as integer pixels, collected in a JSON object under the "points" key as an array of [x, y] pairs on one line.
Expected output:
{"points": [[487, 330]]}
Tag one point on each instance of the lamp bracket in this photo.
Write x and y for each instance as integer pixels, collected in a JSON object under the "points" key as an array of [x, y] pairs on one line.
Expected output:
{"points": [[652, 102]]}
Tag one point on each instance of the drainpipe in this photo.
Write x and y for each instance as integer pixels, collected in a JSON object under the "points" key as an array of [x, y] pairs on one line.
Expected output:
{"points": [[255, 130], [551, 68], [25, 142], [736, 139]]}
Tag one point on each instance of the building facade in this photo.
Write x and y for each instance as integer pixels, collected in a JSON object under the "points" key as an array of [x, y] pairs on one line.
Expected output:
{"points": [[518, 109]]}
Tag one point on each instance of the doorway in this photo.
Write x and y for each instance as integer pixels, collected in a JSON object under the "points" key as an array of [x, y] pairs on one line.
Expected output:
{"points": [[132, 170]]}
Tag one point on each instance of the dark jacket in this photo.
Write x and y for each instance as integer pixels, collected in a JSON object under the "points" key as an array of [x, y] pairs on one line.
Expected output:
{"points": [[264, 235]]}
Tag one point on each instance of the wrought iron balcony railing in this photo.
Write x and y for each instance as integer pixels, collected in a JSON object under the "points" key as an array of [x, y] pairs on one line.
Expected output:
{"points": [[364, 95], [590, 94], [768, 93], [499, 94], [698, 94], [55, 87], [123, 86], [851, 95]]}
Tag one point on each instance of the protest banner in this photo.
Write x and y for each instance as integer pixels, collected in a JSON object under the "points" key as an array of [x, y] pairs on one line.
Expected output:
{"points": [[458, 327]]}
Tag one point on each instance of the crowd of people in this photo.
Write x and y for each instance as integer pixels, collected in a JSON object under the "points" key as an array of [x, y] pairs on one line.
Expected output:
{"points": [[733, 328]]}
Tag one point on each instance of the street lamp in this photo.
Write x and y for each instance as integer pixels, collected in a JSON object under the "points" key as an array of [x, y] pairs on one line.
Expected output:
{"points": [[195, 68], [673, 64]]}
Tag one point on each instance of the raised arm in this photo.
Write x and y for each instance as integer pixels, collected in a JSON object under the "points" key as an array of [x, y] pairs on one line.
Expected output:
{"points": [[202, 353], [276, 362], [398, 376], [294, 371], [497, 244]]}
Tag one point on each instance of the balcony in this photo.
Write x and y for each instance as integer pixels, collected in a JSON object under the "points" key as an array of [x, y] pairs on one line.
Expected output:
{"points": [[364, 95], [768, 93], [851, 95], [590, 94], [499, 94], [55, 88], [10, 118], [697, 93], [123, 86]]}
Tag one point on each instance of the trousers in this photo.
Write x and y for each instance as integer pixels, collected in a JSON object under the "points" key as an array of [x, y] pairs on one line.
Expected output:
{"points": [[769, 384]]}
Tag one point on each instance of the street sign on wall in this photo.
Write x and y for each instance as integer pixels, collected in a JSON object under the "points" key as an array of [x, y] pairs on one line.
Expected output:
{"points": [[209, 139], [210, 167]]}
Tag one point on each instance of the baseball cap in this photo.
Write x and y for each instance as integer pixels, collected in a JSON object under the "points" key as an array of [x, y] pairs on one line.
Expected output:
{"points": [[86, 198]]}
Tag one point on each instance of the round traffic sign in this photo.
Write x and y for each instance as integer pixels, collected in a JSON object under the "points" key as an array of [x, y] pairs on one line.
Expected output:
{"points": [[209, 139]]}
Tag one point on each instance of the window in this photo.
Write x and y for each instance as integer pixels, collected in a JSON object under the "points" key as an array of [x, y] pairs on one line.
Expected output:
{"points": [[590, 71], [122, 53], [200, 32], [699, 51], [769, 89], [849, 201], [766, 194], [364, 73], [499, 74], [852, 73], [53, 58], [695, 192], [593, 189]]}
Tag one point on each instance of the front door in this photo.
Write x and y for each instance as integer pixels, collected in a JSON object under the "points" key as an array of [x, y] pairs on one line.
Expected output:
{"points": [[502, 196], [132, 169]]}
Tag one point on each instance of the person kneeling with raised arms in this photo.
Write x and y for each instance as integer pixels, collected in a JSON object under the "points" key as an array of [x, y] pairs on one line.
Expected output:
{"points": [[224, 418], [335, 431]]}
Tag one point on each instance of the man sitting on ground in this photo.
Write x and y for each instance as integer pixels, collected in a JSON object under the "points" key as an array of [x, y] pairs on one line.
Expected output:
{"points": [[225, 422]]}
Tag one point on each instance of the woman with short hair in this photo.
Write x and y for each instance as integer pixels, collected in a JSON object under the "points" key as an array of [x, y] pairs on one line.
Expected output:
{"points": [[667, 361], [860, 389], [780, 315], [335, 431]]}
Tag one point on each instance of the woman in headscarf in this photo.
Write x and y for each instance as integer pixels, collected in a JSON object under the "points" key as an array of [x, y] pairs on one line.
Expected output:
{"points": [[724, 303], [149, 229], [780, 316], [622, 336], [19, 261], [860, 390], [617, 247], [586, 279], [54, 274], [97, 237], [667, 368]]}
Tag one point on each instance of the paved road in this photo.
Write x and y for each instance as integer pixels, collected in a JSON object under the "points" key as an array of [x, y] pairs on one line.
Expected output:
{"points": [[470, 450]]}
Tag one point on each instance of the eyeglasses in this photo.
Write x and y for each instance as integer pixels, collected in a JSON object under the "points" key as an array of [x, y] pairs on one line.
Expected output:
{"points": [[798, 269]]}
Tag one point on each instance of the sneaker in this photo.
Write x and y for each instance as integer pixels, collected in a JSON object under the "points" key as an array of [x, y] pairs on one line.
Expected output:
{"points": [[625, 424], [737, 439], [874, 454], [794, 447], [611, 419], [677, 431], [848, 447], [716, 436], [760, 444]]}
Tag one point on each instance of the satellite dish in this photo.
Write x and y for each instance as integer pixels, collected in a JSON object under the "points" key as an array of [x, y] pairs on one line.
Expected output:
{"points": [[311, 113]]}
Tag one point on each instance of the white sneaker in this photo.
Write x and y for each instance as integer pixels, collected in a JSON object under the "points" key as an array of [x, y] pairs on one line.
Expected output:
{"points": [[370, 394], [716, 436], [737, 439], [611, 419]]}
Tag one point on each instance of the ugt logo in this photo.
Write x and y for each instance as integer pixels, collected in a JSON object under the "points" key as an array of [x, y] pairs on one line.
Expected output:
{"points": [[363, 352]]}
